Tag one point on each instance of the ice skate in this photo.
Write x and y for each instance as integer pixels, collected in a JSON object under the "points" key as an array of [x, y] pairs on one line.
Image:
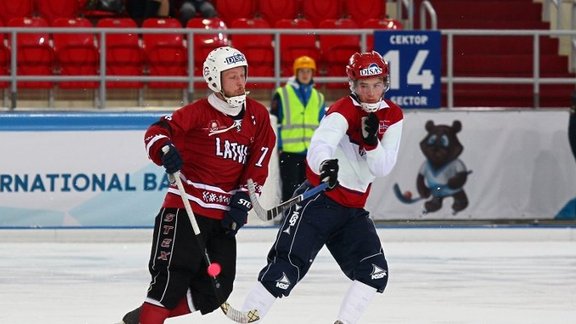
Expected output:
{"points": [[132, 317]]}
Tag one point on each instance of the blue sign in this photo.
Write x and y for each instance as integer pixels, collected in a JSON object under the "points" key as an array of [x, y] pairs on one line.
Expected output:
{"points": [[414, 59]]}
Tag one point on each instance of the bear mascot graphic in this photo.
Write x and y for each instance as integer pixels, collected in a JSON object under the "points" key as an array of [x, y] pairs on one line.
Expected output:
{"points": [[443, 174]]}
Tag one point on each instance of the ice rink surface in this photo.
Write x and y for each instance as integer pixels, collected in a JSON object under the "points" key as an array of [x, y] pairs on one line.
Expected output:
{"points": [[436, 276]]}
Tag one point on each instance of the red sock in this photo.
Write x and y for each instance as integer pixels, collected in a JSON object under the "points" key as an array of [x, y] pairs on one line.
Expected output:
{"points": [[180, 309], [152, 314]]}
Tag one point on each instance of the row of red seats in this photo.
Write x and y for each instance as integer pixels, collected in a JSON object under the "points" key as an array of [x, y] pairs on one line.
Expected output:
{"points": [[50, 10], [271, 10], [315, 11], [330, 51], [129, 54]]}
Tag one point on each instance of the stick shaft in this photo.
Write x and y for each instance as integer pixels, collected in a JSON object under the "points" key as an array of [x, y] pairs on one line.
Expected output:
{"points": [[232, 313], [270, 214], [176, 178]]}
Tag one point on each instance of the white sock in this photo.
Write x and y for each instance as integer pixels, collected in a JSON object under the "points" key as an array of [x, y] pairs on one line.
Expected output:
{"points": [[355, 302], [260, 299]]}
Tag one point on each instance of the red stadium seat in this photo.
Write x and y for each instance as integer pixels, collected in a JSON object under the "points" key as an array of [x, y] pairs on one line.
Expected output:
{"points": [[257, 48], [368, 9], [318, 10], [337, 49], [379, 24], [204, 43], [35, 53], [52, 9], [166, 54], [77, 53], [15, 9], [274, 10], [229, 10], [124, 56], [294, 46]]}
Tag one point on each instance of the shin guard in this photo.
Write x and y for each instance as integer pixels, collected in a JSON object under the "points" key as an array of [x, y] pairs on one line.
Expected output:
{"points": [[182, 308], [260, 299], [153, 314], [355, 302]]}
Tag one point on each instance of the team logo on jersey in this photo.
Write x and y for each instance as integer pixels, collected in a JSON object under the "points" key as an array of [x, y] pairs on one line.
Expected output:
{"points": [[372, 69], [215, 127], [383, 126], [231, 150], [283, 283], [238, 125], [224, 147], [377, 272], [236, 58]]}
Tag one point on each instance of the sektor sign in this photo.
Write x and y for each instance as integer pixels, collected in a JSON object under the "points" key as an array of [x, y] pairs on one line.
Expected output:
{"points": [[414, 60]]}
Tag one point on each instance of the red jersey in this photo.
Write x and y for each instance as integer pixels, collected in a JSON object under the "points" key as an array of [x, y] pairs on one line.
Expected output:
{"points": [[339, 136], [219, 152]]}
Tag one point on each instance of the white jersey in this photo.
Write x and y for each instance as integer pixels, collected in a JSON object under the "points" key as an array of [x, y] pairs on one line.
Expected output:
{"points": [[339, 136]]}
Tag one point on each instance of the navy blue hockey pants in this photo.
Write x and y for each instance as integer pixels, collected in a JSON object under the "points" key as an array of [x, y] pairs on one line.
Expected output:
{"points": [[348, 233]]}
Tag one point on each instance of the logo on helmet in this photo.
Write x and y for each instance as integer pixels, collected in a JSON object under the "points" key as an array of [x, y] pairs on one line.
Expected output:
{"points": [[235, 59], [373, 69]]}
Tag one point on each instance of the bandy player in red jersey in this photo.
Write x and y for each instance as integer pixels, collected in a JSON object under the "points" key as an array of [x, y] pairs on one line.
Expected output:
{"points": [[356, 142], [217, 143]]}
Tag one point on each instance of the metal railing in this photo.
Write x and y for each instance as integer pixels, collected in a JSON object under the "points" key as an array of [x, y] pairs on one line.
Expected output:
{"points": [[450, 78], [407, 18], [102, 78], [536, 80], [427, 9]]}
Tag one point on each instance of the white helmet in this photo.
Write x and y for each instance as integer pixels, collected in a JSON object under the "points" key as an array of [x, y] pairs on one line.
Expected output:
{"points": [[221, 59]]}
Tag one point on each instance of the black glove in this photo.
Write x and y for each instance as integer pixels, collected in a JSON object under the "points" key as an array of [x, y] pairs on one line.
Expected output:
{"points": [[329, 173], [237, 216], [369, 129], [171, 159]]}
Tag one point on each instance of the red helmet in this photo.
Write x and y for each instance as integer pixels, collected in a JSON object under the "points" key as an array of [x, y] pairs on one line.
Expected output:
{"points": [[367, 65]]}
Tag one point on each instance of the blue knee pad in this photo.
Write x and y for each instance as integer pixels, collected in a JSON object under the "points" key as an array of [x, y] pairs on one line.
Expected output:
{"points": [[373, 272], [278, 281]]}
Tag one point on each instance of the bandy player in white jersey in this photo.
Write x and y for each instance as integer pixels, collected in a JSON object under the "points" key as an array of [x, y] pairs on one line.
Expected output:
{"points": [[217, 144], [356, 142]]}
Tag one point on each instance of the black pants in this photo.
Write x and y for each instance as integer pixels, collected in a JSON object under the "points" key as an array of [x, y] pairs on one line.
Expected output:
{"points": [[177, 262], [292, 172]]}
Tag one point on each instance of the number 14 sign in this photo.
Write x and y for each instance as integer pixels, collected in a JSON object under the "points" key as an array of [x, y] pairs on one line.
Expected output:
{"points": [[414, 59]]}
